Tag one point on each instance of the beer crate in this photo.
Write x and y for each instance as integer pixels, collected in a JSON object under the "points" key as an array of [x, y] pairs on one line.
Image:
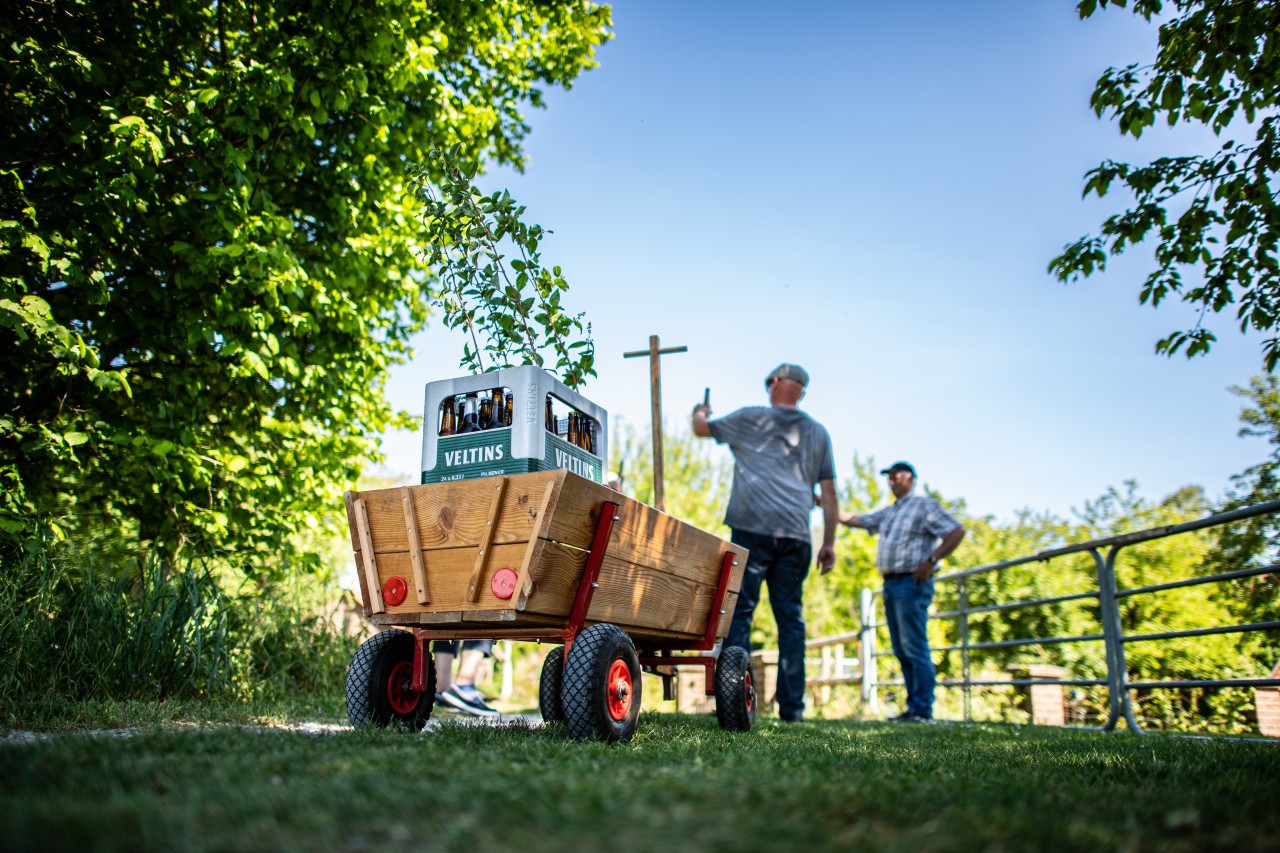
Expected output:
{"points": [[531, 442]]}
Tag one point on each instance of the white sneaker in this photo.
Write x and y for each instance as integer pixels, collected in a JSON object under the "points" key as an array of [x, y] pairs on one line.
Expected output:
{"points": [[466, 698]]}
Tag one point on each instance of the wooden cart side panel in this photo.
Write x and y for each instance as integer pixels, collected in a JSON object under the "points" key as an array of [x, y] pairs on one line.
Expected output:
{"points": [[643, 535], [450, 571], [635, 598], [657, 581], [456, 515]]}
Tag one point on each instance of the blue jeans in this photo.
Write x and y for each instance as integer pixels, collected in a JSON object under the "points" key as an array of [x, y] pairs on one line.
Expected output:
{"points": [[906, 611], [783, 564]]}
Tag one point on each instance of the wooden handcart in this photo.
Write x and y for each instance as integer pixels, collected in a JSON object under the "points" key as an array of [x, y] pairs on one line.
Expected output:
{"points": [[548, 555]]}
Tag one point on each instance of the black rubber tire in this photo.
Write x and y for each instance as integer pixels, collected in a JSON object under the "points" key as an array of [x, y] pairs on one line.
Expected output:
{"points": [[550, 685], [378, 683], [735, 690], [593, 706]]}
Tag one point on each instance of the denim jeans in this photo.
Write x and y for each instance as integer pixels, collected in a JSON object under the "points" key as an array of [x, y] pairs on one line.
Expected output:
{"points": [[783, 564], [906, 611]]}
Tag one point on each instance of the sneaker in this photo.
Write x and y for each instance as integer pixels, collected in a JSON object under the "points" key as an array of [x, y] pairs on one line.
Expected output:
{"points": [[467, 699], [910, 717]]}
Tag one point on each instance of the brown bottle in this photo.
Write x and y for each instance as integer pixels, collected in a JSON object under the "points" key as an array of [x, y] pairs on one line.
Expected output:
{"points": [[448, 421], [550, 420], [572, 436], [586, 434], [508, 409], [486, 412]]}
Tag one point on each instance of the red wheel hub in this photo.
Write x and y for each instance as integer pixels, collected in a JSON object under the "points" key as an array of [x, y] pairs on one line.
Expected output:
{"points": [[749, 692], [619, 690], [403, 701]]}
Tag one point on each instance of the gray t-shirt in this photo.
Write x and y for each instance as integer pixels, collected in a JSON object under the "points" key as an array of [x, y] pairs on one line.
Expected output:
{"points": [[779, 454]]}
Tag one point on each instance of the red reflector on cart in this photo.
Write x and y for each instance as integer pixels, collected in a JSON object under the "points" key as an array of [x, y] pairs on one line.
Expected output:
{"points": [[395, 591], [503, 583]]}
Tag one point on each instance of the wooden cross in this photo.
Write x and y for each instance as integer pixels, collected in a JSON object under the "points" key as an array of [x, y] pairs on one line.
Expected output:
{"points": [[655, 399]]}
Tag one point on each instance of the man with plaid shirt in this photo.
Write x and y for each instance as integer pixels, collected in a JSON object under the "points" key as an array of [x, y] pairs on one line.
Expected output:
{"points": [[916, 533]]}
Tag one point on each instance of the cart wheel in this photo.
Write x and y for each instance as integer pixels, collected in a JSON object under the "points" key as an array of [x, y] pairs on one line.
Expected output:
{"points": [[735, 690], [378, 683], [549, 686], [601, 692]]}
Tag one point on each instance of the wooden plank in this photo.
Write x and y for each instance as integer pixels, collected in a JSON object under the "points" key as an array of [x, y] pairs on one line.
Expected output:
{"points": [[451, 577], [510, 625], [456, 515], [362, 582], [486, 539], [634, 598], [644, 535], [349, 498], [415, 546], [524, 581], [374, 601]]}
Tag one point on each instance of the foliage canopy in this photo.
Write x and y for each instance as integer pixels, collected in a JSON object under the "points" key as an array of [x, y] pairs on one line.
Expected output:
{"points": [[509, 310], [208, 244], [1215, 215]]}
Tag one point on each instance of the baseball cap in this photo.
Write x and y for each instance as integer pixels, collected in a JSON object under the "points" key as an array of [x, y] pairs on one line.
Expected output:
{"points": [[788, 371], [900, 466]]}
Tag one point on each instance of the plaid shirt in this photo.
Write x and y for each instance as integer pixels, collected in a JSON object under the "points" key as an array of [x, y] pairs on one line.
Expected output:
{"points": [[909, 529]]}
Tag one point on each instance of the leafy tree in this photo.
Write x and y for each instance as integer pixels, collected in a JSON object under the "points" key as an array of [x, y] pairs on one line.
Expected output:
{"points": [[1216, 214], [488, 297], [1253, 542], [208, 247]]}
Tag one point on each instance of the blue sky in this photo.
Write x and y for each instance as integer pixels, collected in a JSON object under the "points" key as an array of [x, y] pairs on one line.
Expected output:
{"points": [[873, 191]]}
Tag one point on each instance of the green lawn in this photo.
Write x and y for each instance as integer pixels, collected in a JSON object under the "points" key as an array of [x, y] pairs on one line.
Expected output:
{"points": [[681, 785]]}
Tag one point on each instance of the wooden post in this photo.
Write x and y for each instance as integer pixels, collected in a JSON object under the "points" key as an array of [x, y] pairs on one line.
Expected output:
{"points": [[375, 603], [415, 545], [655, 401], [486, 540]]}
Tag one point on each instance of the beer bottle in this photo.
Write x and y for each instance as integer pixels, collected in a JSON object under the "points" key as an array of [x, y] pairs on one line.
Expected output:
{"points": [[587, 431], [470, 417], [508, 409], [572, 435], [550, 416], [486, 412], [448, 424]]}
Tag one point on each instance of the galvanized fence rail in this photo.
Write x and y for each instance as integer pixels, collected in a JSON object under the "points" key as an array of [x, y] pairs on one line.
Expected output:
{"points": [[1111, 633]]}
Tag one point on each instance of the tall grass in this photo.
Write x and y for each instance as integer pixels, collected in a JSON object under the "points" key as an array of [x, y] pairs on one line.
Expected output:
{"points": [[74, 629]]}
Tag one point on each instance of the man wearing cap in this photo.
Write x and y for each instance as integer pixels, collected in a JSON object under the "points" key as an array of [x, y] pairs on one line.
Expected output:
{"points": [[916, 533], [779, 454]]}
